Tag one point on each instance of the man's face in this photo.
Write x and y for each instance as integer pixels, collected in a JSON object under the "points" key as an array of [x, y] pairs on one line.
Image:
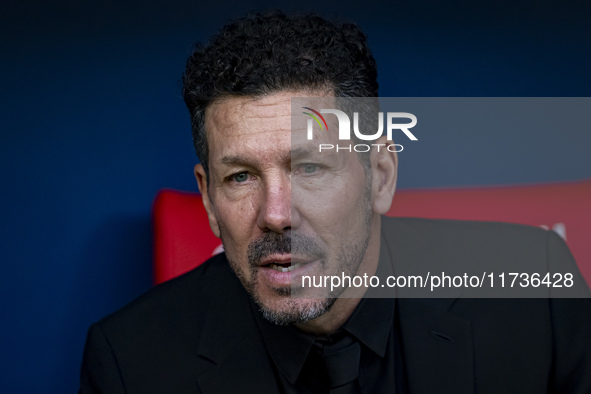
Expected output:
{"points": [[281, 208]]}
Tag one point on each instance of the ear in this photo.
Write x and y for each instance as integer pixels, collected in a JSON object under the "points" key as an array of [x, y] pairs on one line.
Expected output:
{"points": [[201, 177], [385, 171]]}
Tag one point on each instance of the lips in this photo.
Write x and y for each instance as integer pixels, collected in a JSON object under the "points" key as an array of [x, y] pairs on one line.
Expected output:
{"points": [[278, 270], [282, 263]]}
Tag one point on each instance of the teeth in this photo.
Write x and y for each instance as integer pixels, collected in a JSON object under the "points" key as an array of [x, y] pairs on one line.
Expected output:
{"points": [[284, 269]]}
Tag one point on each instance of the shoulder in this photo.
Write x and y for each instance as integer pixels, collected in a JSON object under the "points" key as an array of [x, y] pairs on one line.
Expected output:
{"points": [[487, 246], [163, 341], [469, 236], [173, 306], [465, 228]]}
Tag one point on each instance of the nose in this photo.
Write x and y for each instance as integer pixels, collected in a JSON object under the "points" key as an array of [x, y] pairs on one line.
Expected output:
{"points": [[275, 210]]}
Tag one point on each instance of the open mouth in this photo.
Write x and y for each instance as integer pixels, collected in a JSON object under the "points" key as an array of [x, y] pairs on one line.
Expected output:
{"points": [[283, 267]]}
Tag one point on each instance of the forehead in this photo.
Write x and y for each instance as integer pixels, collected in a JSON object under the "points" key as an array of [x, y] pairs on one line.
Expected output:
{"points": [[229, 115], [242, 122]]}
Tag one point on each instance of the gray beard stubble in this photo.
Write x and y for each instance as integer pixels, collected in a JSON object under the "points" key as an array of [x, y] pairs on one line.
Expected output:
{"points": [[285, 243]]}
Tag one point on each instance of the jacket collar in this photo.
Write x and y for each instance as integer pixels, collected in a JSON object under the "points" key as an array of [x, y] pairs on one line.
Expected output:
{"points": [[231, 342]]}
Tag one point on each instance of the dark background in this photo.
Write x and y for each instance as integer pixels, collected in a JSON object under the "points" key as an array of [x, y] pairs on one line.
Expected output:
{"points": [[93, 125]]}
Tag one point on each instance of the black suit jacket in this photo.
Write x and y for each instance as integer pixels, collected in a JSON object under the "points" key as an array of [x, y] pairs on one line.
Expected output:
{"points": [[196, 333]]}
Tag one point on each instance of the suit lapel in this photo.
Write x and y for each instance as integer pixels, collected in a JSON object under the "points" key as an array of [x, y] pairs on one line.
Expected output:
{"points": [[230, 340], [437, 344], [245, 370], [437, 348]]}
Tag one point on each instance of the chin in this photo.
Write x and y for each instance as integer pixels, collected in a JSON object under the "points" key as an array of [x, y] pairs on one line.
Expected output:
{"points": [[285, 309]]}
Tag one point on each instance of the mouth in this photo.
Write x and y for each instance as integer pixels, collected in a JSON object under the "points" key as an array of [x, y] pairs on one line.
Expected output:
{"points": [[283, 267]]}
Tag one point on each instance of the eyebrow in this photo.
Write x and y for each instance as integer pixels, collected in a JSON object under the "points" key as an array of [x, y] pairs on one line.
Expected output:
{"points": [[233, 160], [305, 153], [294, 154], [244, 160], [299, 153]]}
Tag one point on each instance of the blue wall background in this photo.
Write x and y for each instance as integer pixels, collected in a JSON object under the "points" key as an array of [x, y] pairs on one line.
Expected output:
{"points": [[93, 124]]}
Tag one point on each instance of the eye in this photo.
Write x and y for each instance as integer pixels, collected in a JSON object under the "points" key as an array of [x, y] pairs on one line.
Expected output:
{"points": [[240, 177], [309, 168]]}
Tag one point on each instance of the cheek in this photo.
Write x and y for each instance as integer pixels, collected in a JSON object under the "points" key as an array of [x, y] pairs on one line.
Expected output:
{"points": [[336, 214], [237, 221]]}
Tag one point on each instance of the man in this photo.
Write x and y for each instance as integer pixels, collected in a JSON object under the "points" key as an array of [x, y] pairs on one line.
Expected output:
{"points": [[242, 322]]}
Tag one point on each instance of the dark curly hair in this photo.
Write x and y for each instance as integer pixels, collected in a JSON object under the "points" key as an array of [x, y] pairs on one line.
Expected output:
{"points": [[265, 53]]}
